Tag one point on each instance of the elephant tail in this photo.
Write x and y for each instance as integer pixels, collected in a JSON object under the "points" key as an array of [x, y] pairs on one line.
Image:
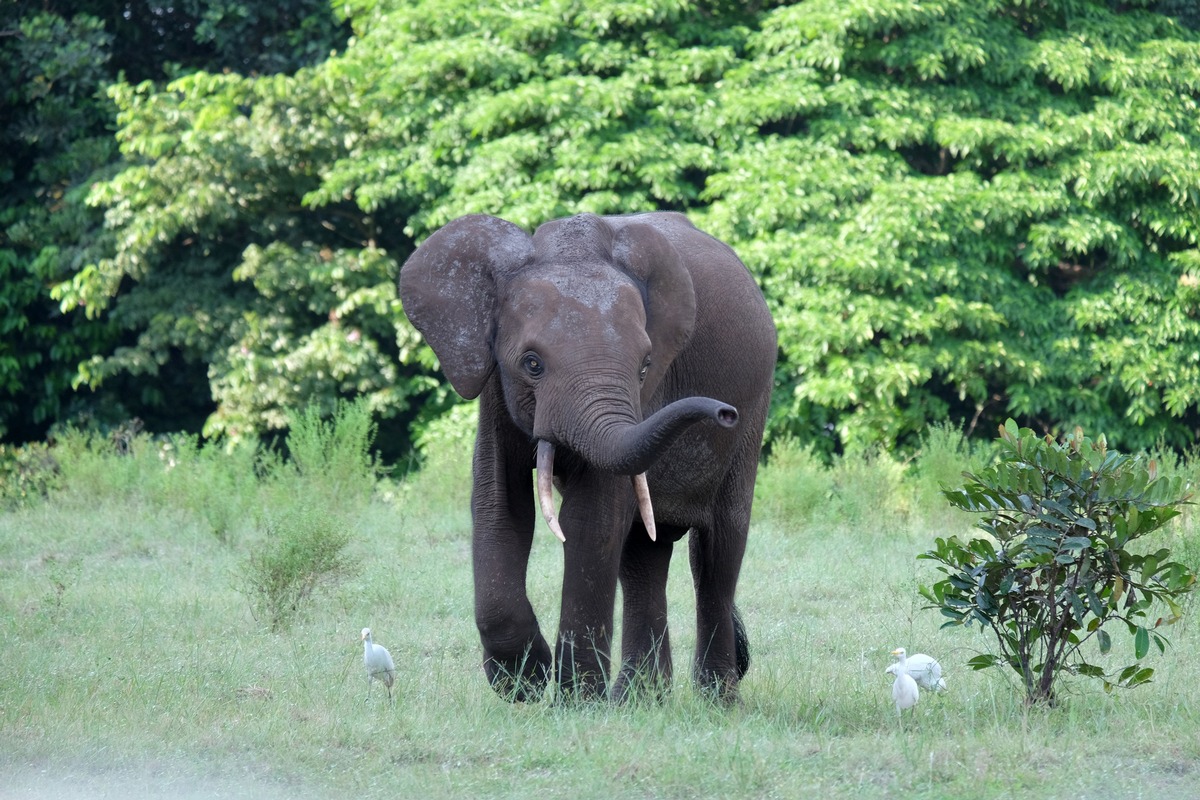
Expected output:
{"points": [[741, 644]]}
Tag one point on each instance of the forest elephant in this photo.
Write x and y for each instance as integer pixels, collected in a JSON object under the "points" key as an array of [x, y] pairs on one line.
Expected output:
{"points": [[628, 361]]}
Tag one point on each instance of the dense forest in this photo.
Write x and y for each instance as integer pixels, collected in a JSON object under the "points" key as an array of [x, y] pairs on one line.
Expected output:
{"points": [[960, 211]]}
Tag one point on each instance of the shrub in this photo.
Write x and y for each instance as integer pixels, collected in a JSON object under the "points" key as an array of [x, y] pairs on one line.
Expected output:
{"points": [[795, 487], [304, 549], [944, 455], [446, 445], [866, 489], [1058, 561], [216, 484], [27, 474], [332, 458]]}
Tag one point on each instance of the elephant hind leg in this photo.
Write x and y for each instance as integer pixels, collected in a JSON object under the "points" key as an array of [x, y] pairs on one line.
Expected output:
{"points": [[722, 648]]}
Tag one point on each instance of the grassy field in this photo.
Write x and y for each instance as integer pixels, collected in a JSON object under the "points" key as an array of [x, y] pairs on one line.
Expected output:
{"points": [[131, 664]]}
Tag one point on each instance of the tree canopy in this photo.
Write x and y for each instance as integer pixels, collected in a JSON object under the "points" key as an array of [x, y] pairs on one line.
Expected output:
{"points": [[57, 62], [957, 210]]}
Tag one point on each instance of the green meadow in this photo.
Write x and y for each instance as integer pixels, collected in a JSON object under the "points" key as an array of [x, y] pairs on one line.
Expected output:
{"points": [[135, 660]]}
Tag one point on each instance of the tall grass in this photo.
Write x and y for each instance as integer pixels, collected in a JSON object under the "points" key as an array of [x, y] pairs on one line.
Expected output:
{"points": [[131, 664]]}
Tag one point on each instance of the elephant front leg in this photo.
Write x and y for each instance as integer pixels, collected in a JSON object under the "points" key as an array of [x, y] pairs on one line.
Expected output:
{"points": [[645, 641], [516, 658], [592, 521]]}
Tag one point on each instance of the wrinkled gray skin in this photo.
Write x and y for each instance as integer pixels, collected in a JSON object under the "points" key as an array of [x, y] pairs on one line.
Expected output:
{"points": [[630, 344]]}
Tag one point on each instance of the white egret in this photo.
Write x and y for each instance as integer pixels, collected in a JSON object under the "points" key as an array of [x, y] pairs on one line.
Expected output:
{"points": [[379, 664], [904, 687], [925, 670]]}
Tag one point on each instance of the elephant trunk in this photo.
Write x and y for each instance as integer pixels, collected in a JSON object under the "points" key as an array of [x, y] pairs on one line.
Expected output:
{"points": [[630, 450]]}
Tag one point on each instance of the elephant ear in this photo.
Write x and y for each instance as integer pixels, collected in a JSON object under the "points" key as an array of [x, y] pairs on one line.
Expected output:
{"points": [[647, 255], [448, 288]]}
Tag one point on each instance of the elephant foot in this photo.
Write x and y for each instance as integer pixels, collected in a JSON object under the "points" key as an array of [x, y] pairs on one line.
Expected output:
{"points": [[581, 689], [520, 680], [637, 686], [717, 675], [578, 686], [718, 689], [582, 676]]}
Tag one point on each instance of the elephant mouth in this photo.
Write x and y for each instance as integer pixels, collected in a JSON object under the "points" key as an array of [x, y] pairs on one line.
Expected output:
{"points": [[545, 492]]}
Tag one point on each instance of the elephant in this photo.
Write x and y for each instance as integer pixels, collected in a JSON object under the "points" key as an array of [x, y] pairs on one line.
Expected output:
{"points": [[628, 361]]}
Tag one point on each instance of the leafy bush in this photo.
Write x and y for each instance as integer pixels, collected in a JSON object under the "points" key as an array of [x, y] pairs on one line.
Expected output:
{"points": [[216, 484], [866, 489], [445, 446], [121, 464], [332, 457], [794, 486], [945, 454], [304, 549], [1058, 562], [27, 474]]}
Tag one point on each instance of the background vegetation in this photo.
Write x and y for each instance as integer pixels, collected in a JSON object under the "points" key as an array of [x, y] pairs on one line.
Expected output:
{"points": [[132, 663], [959, 211]]}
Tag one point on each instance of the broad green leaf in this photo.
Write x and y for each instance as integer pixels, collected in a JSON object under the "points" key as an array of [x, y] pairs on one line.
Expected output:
{"points": [[1141, 643], [983, 661]]}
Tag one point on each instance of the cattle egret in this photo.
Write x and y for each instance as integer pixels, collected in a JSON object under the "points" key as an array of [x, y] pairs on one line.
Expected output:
{"points": [[925, 670], [904, 687], [379, 664]]}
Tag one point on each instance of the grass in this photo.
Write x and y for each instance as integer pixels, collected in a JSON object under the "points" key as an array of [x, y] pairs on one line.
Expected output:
{"points": [[131, 664]]}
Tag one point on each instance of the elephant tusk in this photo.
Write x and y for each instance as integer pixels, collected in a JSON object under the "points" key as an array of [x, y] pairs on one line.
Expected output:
{"points": [[545, 487], [642, 489]]}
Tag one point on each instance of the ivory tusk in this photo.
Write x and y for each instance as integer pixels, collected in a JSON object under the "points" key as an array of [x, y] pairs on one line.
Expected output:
{"points": [[642, 489], [545, 487]]}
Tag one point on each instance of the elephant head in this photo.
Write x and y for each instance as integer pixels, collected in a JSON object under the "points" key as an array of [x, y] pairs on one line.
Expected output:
{"points": [[579, 323]]}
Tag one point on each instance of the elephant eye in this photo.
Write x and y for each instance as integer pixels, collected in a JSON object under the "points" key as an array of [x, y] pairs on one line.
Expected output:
{"points": [[532, 363], [645, 369]]}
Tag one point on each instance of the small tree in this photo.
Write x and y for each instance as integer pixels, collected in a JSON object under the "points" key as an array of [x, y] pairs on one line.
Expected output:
{"points": [[1057, 563]]}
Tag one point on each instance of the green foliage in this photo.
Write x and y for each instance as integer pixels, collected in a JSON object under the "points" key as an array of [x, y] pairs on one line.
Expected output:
{"points": [[326, 461], [958, 211], [54, 136], [945, 453], [1059, 560], [985, 215], [213, 483], [795, 486], [304, 549], [331, 459], [867, 490], [442, 477], [27, 475], [56, 62], [102, 466]]}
